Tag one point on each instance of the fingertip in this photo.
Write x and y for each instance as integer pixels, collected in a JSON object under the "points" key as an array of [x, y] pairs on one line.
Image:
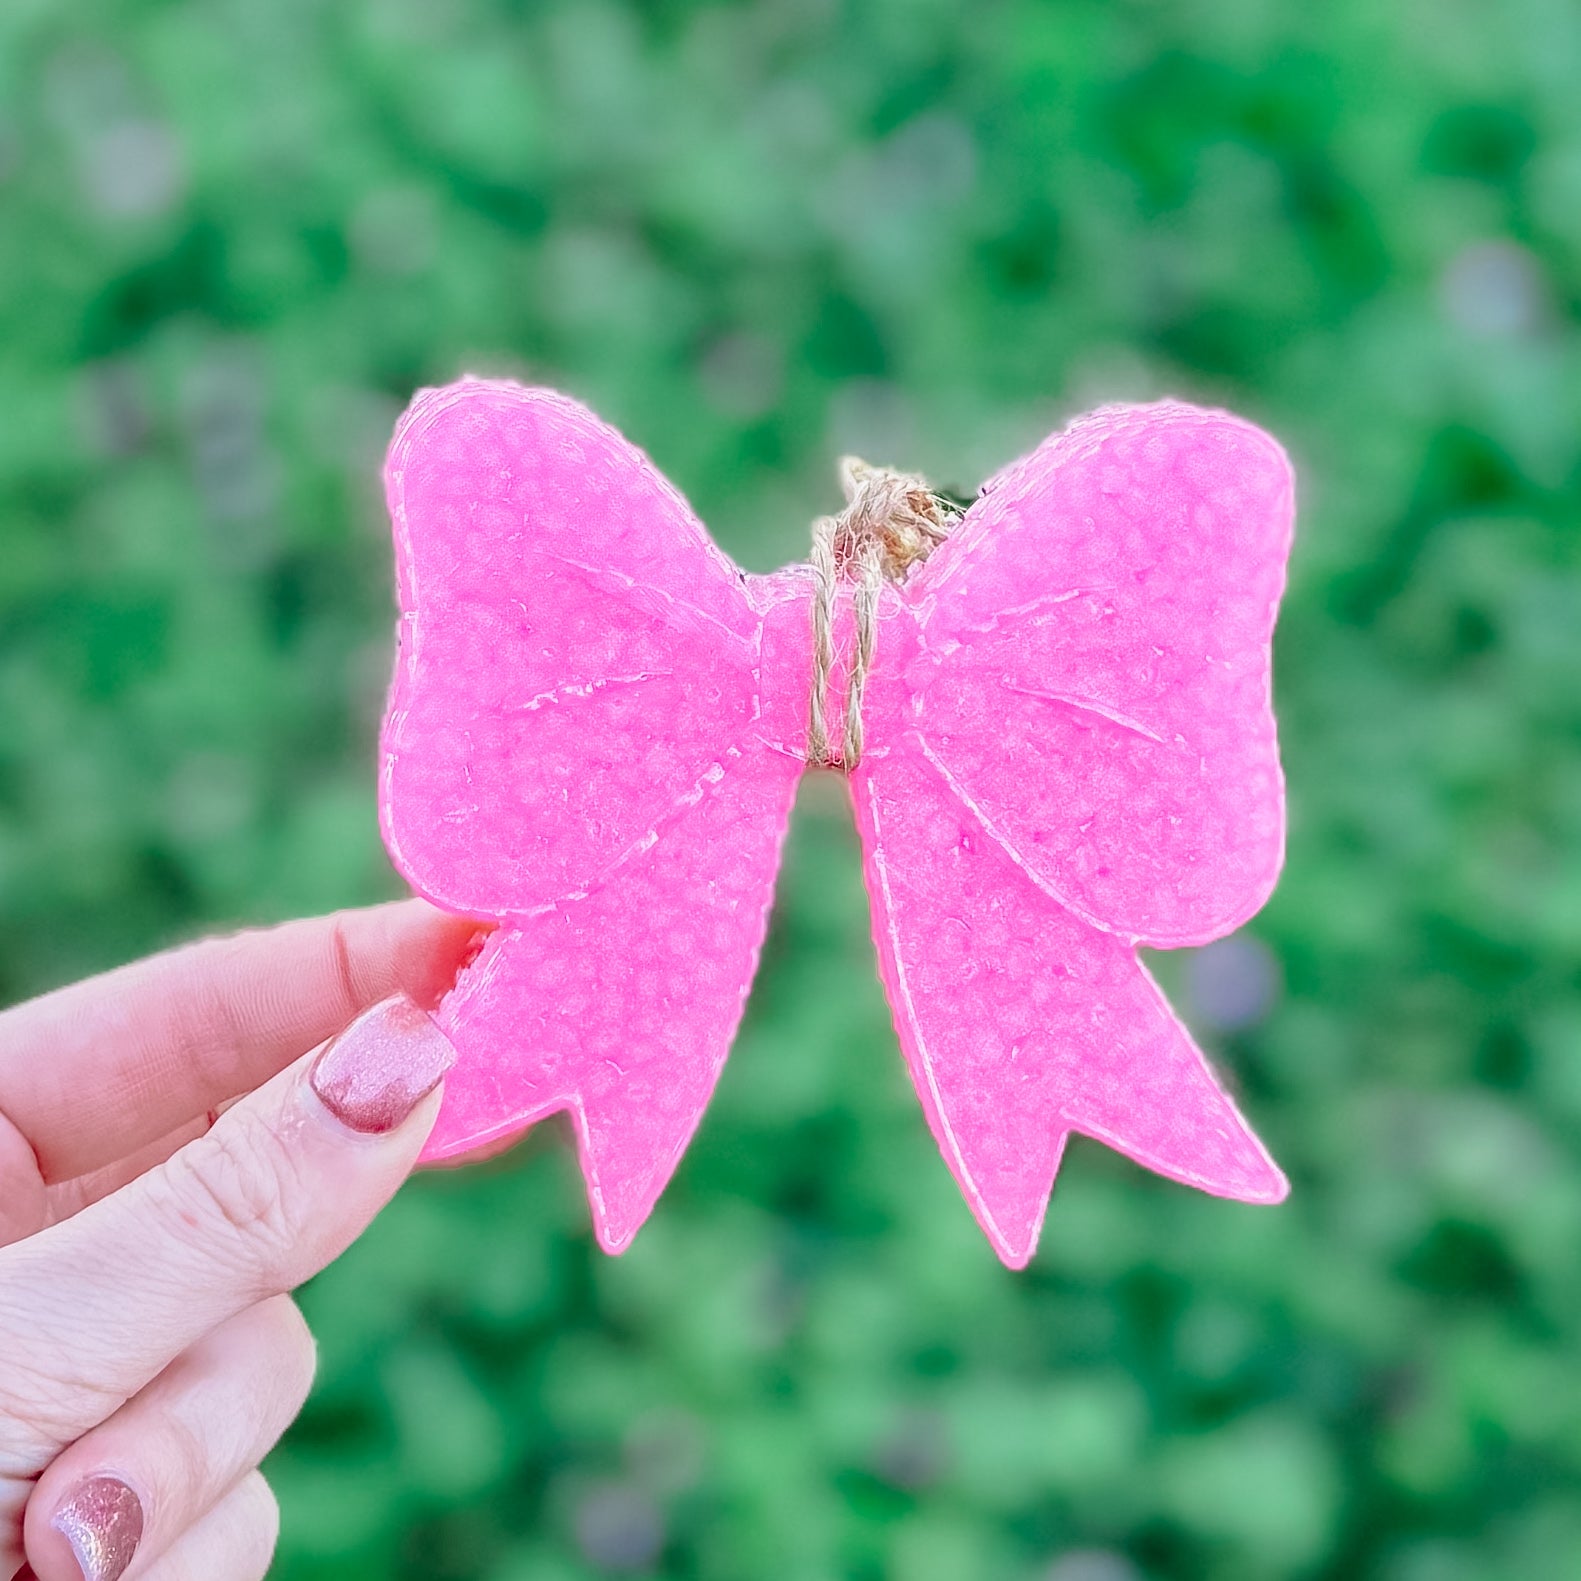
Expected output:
{"points": [[100, 1523], [431, 948]]}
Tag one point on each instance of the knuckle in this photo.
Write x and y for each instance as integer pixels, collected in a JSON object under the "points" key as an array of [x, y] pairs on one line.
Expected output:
{"points": [[49, 1394], [187, 1458], [297, 1351], [343, 962], [258, 1526], [39, 1415], [208, 1023], [235, 1539], [240, 1185]]}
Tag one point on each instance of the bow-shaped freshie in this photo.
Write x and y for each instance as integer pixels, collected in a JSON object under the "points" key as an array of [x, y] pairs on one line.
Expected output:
{"points": [[598, 722]]}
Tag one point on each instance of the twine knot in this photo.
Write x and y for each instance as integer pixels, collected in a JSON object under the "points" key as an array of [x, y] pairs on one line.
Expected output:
{"points": [[891, 522]]}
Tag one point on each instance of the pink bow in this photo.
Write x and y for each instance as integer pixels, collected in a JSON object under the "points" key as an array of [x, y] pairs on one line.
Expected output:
{"points": [[598, 723]]}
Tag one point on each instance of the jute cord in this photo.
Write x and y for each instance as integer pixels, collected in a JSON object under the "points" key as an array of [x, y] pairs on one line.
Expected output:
{"points": [[891, 522]]}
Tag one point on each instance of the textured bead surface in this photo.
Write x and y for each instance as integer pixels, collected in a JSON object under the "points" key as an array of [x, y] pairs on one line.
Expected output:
{"points": [[597, 725]]}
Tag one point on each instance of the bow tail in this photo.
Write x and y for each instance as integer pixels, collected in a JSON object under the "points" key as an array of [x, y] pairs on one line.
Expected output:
{"points": [[1021, 1023], [620, 1006]]}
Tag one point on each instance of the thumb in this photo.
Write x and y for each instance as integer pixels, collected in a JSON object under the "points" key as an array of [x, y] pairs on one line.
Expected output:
{"points": [[95, 1307]]}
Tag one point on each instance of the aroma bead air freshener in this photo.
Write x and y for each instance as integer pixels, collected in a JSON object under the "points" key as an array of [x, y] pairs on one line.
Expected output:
{"points": [[1053, 712]]}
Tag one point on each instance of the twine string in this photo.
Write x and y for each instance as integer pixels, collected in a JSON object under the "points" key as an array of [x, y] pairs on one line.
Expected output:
{"points": [[891, 522]]}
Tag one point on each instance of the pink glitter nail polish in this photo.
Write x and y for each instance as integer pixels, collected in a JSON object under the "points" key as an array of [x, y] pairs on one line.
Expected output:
{"points": [[103, 1522], [382, 1066]]}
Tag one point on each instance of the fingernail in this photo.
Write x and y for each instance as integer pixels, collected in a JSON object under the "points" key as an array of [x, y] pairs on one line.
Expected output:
{"points": [[103, 1522], [382, 1066]]}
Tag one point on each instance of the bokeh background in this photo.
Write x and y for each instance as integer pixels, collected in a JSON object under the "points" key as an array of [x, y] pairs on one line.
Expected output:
{"points": [[236, 234]]}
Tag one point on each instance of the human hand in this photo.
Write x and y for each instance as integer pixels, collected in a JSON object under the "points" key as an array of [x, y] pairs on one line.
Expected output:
{"points": [[149, 1355]]}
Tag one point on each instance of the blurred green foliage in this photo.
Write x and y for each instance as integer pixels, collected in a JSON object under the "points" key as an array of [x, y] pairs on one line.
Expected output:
{"points": [[235, 235]]}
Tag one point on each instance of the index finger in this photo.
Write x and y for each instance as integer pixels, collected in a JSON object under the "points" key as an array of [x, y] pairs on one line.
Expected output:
{"points": [[92, 1072]]}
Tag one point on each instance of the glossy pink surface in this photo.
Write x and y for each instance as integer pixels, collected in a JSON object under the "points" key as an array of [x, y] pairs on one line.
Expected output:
{"points": [[597, 725]]}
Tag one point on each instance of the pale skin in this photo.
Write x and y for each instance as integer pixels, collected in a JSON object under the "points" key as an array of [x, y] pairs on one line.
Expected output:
{"points": [[173, 1161]]}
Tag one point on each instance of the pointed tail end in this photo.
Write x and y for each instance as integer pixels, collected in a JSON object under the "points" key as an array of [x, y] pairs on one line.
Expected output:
{"points": [[1258, 1180], [628, 1153], [1230, 1163]]}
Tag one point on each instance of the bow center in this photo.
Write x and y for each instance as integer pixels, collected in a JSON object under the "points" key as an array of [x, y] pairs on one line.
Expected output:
{"points": [[891, 515], [892, 521]]}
